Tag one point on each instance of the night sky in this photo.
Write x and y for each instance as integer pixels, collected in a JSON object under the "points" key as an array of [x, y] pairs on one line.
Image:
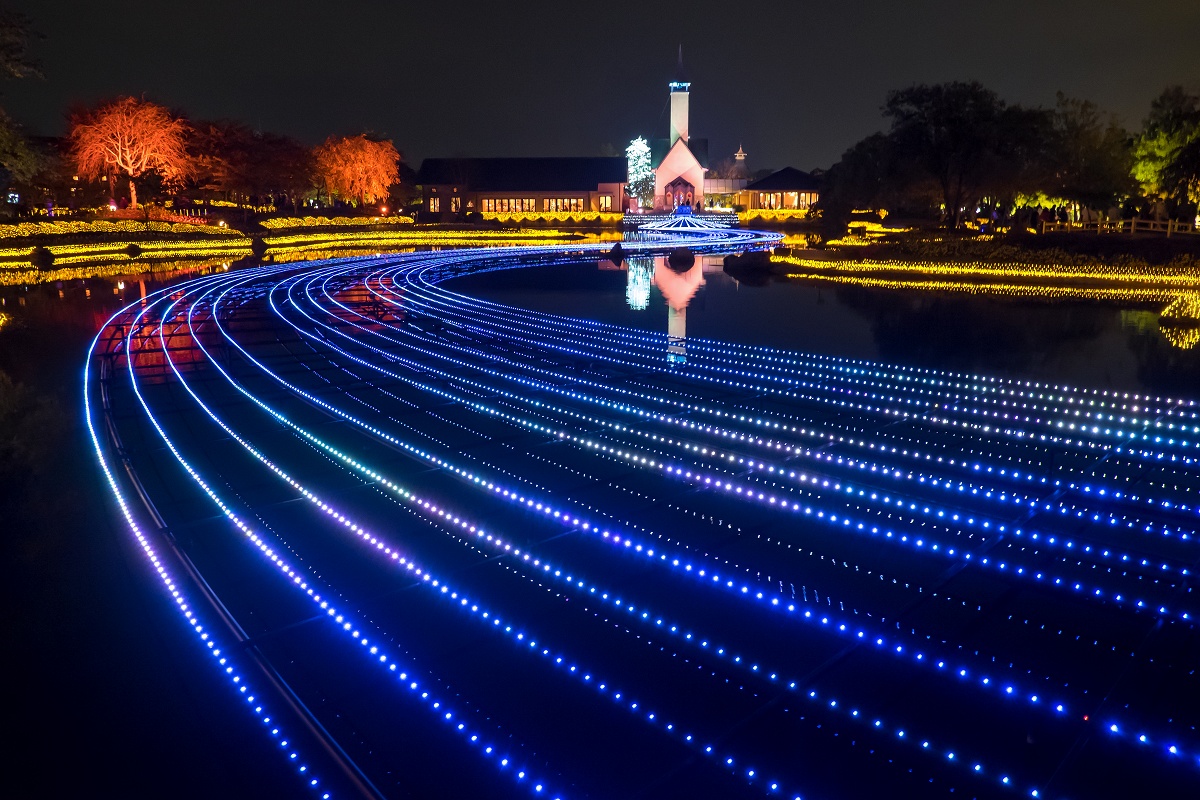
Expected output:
{"points": [[795, 82]]}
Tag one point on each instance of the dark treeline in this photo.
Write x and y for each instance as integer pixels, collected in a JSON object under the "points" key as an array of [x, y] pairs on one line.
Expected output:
{"points": [[127, 147], [954, 147], [222, 161]]}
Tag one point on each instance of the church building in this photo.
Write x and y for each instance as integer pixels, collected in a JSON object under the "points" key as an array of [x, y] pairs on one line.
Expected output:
{"points": [[597, 187], [680, 161]]}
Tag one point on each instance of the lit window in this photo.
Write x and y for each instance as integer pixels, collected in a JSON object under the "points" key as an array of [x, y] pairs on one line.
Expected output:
{"points": [[435, 204], [606, 202], [455, 204]]}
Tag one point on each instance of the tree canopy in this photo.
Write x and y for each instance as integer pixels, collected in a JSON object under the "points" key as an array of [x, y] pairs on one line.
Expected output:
{"points": [[1167, 153], [958, 145], [1092, 158], [966, 139], [133, 137], [244, 164], [16, 61], [357, 168]]}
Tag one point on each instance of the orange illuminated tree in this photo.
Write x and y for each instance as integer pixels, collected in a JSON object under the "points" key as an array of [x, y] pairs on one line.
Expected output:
{"points": [[133, 137], [357, 168]]}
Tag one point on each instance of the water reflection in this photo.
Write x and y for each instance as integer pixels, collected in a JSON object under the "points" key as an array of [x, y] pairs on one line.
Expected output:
{"points": [[677, 286], [1080, 342]]}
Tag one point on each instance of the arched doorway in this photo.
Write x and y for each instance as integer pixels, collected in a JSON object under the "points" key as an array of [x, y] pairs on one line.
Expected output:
{"points": [[679, 193]]}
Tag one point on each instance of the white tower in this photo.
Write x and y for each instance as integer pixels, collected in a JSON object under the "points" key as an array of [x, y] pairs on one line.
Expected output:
{"points": [[679, 103]]}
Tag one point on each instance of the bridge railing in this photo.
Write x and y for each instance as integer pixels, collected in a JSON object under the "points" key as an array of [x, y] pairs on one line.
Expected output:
{"points": [[1169, 227]]}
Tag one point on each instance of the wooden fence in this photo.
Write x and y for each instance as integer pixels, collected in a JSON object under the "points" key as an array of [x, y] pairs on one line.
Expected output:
{"points": [[1127, 226]]}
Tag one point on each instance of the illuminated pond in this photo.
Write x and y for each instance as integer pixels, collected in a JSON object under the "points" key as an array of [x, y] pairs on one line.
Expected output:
{"points": [[1114, 343]]}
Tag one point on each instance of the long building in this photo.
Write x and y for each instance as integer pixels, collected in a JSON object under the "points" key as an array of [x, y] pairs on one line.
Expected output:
{"points": [[453, 187]]}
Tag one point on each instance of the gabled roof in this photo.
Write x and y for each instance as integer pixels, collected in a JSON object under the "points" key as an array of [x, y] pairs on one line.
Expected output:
{"points": [[788, 179], [660, 147], [523, 174]]}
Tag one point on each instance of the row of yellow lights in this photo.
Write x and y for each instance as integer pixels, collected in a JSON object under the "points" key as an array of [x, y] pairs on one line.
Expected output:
{"points": [[772, 214], [1180, 307], [1143, 273], [74, 253], [111, 259], [1183, 338], [58, 227], [411, 237], [606, 217], [110, 269], [317, 222]]}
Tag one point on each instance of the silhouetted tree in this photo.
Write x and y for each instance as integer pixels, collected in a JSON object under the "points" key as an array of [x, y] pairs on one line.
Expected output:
{"points": [[15, 59], [245, 165], [1092, 155], [965, 138], [18, 159]]}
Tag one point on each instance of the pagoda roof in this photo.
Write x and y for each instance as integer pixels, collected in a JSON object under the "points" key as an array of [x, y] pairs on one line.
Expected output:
{"points": [[523, 174]]}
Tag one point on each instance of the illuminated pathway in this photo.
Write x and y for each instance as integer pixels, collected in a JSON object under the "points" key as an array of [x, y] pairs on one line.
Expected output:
{"points": [[445, 547]]}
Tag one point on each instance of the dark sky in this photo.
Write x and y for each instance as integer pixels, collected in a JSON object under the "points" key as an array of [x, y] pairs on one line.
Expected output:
{"points": [[796, 82]]}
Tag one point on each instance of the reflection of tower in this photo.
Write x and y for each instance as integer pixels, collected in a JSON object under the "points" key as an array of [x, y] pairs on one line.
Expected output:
{"points": [[676, 335], [637, 282], [678, 289]]}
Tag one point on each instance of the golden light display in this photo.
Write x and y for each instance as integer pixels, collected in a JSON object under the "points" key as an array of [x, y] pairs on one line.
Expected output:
{"points": [[408, 237], [63, 227], [73, 261], [773, 215], [1168, 274], [866, 232], [29, 275], [1175, 289], [1183, 338], [236, 247], [280, 223], [528, 217]]}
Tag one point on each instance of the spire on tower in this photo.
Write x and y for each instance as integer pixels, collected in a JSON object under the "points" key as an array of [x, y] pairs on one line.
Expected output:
{"points": [[680, 82], [740, 155]]}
